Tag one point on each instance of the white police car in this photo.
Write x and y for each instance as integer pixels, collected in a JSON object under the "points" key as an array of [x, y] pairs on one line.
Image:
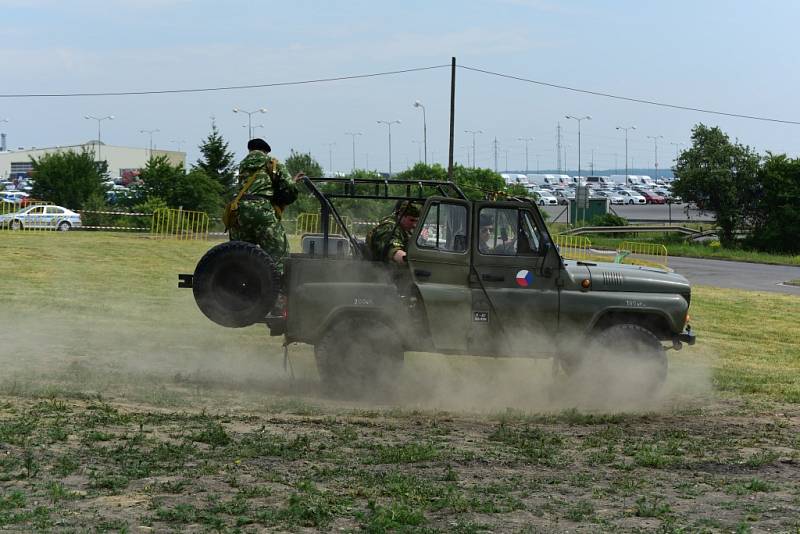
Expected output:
{"points": [[42, 217]]}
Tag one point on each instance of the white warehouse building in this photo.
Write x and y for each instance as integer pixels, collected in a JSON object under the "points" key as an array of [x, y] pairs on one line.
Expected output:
{"points": [[15, 164]]}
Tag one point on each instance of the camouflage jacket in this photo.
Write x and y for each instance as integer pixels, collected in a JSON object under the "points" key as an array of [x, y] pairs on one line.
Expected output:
{"points": [[277, 186], [386, 239]]}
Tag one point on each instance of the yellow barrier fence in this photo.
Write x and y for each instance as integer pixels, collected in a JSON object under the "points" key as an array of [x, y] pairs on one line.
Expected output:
{"points": [[309, 223], [573, 247], [651, 254], [170, 223]]}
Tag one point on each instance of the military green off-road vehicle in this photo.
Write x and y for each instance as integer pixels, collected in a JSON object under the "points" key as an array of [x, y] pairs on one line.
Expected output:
{"points": [[481, 278]]}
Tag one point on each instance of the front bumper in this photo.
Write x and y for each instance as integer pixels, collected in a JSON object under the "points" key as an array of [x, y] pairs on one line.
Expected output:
{"points": [[687, 336]]}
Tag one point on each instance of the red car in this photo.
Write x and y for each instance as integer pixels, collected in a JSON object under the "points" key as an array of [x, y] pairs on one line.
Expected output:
{"points": [[652, 198]]}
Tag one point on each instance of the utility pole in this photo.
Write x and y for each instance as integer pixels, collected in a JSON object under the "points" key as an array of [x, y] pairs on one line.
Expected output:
{"points": [[330, 158], [473, 132], [506, 151], [495, 154], [389, 125], [626, 149], [525, 141], [677, 149], [655, 139], [558, 148], [354, 135]]}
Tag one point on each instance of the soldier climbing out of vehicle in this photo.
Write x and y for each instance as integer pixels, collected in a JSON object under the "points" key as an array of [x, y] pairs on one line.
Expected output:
{"points": [[388, 241], [255, 215]]}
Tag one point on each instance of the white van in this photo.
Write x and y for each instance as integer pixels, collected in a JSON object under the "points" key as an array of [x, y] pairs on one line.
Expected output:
{"points": [[551, 180]]}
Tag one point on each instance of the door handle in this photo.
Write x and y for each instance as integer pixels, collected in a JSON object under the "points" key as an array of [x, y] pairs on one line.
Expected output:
{"points": [[493, 278], [421, 273]]}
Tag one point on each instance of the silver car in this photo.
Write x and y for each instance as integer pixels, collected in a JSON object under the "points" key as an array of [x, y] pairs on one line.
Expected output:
{"points": [[42, 217]]}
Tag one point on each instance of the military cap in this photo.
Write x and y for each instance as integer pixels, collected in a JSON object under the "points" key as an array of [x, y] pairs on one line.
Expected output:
{"points": [[406, 207], [258, 144]]}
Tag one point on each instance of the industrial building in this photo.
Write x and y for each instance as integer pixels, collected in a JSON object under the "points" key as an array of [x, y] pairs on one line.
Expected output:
{"points": [[122, 160]]}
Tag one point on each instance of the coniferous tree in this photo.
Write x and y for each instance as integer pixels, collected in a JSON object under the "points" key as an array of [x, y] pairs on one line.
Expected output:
{"points": [[217, 162]]}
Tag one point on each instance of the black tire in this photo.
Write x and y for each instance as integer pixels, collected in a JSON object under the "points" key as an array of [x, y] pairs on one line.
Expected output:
{"points": [[624, 362], [359, 356], [16, 224], [236, 284], [64, 226]]}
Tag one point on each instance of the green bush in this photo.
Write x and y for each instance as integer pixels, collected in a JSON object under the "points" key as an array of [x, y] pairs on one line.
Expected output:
{"points": [[609, 219]]}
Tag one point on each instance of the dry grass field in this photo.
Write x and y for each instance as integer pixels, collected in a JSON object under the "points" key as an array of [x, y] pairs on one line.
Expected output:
{"points": [[123, 409]]}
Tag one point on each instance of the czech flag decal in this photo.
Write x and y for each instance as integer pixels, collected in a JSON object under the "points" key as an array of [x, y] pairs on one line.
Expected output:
{"points": [[524, 278]]}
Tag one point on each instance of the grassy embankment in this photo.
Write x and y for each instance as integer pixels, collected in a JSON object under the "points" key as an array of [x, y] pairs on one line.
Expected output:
{"points": [[121, 406]]}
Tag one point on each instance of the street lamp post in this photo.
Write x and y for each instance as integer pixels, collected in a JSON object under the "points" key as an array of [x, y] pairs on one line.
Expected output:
{"points": [[626, 148], [525, 141], [579, 119], [655, 139], [250, 119], [99, 120], [3, 137], [178, 143], [419, 149], [330, 158], [151, 132], [677, 149], [389, 125], [418, 104], [473, 132], [354, 135]]}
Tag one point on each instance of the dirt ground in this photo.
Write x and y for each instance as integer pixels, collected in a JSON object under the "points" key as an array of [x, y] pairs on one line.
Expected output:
{"points": [[89, 446]]}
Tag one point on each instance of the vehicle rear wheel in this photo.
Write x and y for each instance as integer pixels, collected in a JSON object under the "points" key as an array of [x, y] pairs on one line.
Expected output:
{"points": [[16, 224], [358, 356], [236, 284], [64, 226]]}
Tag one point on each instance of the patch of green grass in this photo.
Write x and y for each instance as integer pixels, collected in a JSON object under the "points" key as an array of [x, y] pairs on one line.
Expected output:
{"points": [[651, 506], [213, 434], [407, 453], [392, 518], [533, 443], [678, 246], [580, 511], [762, 458]]}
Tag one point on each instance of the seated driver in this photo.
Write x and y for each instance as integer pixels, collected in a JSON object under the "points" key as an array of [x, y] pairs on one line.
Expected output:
{"points": [[389, 240]]}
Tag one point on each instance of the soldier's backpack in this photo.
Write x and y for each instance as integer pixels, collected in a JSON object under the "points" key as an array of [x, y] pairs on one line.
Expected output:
{"points": [[230, 215]]}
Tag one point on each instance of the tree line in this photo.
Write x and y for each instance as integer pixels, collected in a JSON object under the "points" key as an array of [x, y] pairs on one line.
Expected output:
{"points": [[756, 198]]}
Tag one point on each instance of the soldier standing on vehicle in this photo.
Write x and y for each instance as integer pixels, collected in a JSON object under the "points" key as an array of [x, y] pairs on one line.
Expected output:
{"points": [[389, 240], [258, 217]]}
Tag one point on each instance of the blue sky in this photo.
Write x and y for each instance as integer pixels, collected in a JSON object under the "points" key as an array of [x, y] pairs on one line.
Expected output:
{"points": [[734, 56]]}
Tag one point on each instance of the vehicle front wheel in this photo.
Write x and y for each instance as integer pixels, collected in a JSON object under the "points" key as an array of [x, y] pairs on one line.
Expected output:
{"points": [[359, 356], [625, 362], [16, 224], [64, 226]]}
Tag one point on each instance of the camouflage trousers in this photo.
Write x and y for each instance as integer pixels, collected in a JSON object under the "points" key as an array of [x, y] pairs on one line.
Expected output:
{"points": [[259, 224]]}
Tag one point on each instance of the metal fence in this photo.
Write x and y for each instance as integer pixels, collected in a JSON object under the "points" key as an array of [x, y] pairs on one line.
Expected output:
{"points": [[574, 247], [638, 253], [310, 223], [179, 224]]}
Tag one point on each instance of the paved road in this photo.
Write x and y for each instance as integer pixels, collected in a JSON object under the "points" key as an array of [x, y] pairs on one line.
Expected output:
{"points": [[737, 275], [648, 212]]}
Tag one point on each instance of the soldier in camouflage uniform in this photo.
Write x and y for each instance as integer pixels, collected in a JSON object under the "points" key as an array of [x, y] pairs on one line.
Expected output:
{"points": [[389, 240], [259, 213]]}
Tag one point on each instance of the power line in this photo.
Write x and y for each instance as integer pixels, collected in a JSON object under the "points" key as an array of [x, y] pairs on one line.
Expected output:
{"points": [[224, 88], [627, 99]]}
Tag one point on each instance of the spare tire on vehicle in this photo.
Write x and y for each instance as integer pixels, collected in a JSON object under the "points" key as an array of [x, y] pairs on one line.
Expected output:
{"points": [[236, 284]]}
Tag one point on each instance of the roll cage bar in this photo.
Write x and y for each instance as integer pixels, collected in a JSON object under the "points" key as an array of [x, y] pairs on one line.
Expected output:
{"points": [[370, 189]]}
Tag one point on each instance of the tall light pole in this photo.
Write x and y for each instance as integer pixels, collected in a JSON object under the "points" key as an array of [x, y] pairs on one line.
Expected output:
{"points": [[655, 139], [418, 104], [389, 125], [354, 135], [330, 158], [626, 148], [99, 120], [676, 145], [525, 142], [178, 142], [250, 119], [579, 119], [151, 132], [473, 132], [466, 149], [2, 137], [419, 149], [537, 163], [254, 128]]}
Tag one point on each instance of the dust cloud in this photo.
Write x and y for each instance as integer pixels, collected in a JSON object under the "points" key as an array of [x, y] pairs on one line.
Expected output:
{"points": [[185, 361]]}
